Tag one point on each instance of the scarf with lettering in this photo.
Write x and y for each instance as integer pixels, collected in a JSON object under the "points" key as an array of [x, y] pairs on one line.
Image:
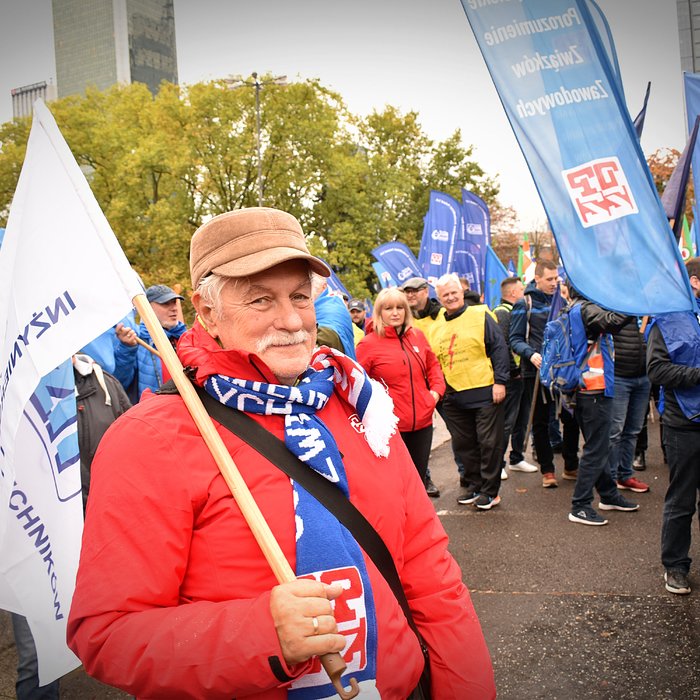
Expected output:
{"points": [[325, 550]]}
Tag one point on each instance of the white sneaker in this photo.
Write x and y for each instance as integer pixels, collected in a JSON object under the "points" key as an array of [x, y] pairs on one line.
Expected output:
{"points": [[523, 466], [504, 474]]}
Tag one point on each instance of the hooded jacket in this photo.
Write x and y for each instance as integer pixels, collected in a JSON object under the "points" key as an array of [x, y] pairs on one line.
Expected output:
{"points": [[409, 369], [172, 597], [527, 321]]}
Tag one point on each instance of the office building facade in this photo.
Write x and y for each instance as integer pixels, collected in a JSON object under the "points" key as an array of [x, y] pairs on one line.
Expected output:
{"points": [[23, 97], [102, 42], [689, 34]]}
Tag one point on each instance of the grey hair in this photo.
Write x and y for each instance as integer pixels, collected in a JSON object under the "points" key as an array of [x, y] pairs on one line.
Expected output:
{"points": [[448, 277], [210, 288]]}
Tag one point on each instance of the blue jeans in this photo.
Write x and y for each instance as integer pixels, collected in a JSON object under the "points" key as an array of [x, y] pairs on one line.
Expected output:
{"points": [[594, 413], [27, 684], [630, 405], [683, 454]]}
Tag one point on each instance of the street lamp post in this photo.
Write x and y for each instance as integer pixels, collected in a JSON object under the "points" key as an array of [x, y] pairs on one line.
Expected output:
{"points": [[234, 83]]}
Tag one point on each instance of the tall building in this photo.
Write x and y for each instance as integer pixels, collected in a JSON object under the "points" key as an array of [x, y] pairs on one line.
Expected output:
{"points": [[689, 34], [102, 42], [23, 97]]}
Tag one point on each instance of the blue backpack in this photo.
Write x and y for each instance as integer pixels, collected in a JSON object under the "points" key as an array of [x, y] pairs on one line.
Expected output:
{"points": [[564, 352]]}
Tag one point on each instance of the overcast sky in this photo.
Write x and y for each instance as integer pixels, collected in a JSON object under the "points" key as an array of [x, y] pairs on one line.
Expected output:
{"points": [[414, 54]]}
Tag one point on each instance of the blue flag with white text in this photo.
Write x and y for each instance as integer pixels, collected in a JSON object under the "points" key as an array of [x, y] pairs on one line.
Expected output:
{"points": [[477, 226], [495, 274], [398, 260], [441, 227], [563, 99]]}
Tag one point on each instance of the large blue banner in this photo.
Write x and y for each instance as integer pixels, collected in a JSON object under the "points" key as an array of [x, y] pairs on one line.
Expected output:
{"points": [[441, 227], [564, 102], [398, 260], [691, 88]]}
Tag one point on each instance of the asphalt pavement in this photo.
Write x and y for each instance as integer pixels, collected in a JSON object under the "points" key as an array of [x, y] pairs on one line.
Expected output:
{"points": [[569, 612]]}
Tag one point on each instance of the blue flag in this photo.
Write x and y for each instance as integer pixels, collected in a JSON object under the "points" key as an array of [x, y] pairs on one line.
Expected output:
{"points": [[441, 227], [467, 265], [674, 195], [334, 283], [398, 260], [495, 274], [562, 96], [477, 227], [384, 276], [512, 270], [639, 119]]}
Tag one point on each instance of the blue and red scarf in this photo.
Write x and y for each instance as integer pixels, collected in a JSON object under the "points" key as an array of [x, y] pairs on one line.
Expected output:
{"points": [[325, 550]]}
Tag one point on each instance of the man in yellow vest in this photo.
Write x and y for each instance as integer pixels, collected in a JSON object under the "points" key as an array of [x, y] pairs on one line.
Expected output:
{"points": [[474, 358]]}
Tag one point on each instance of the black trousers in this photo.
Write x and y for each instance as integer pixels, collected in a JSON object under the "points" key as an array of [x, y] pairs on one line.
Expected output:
{"points": [[477, 437], [418, 443]]}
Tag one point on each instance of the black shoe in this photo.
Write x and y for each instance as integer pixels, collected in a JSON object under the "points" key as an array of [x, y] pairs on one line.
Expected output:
{"points": [[432, 490], [468, 498], [676, 581], [640, 462]]}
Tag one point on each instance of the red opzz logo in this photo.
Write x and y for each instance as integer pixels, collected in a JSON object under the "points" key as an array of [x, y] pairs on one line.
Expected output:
{"points": [[350, 614], [599, 191]]}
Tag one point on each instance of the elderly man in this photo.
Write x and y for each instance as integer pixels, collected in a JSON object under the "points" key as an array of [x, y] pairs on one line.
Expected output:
{"points": [[174, 598], [474, 357]]}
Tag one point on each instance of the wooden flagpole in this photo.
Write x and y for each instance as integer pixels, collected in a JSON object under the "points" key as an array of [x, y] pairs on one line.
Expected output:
{"points": [[333, 663]]}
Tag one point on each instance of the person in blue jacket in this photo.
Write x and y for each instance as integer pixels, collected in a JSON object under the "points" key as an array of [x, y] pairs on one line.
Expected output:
{"points": [[136, 367]]}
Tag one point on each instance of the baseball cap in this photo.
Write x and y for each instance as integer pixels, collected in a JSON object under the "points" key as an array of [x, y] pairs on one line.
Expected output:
{"points": [[161, 294], [246, 241], [356, 304]]}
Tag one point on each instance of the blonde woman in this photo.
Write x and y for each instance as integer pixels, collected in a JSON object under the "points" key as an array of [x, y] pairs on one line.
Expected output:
{"points": [[398, 354]]}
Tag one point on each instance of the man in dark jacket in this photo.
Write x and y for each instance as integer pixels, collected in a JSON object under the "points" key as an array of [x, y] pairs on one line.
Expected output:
{"points": [[528, 319], [630, 403], [516, 408], [593, 410], [673, 361]]}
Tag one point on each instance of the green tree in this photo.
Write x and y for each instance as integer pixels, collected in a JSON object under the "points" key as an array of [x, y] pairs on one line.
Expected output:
{"points": [[160, 166]]}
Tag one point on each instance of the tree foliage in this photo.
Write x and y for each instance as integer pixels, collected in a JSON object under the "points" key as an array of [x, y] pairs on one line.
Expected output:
{"points": [[160, 166]]}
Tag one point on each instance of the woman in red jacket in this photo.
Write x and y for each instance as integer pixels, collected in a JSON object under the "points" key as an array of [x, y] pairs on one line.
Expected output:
{"points": [[398, 355]]}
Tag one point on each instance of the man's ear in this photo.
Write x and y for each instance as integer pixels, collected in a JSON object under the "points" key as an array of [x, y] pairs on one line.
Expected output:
{"points": [[205, 314]]}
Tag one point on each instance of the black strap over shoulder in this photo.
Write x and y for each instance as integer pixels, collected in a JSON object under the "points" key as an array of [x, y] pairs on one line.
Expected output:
{"points": [[274, 449]]}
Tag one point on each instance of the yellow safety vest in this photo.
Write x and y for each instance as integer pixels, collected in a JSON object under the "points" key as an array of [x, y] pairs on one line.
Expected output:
{"points": [[459, 345]]}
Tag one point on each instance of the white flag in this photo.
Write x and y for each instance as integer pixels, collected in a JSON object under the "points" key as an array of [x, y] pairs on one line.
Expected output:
{"points": [[64, 280]]}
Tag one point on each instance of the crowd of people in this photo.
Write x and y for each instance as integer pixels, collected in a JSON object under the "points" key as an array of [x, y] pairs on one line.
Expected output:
{"points": [[174, 597]]}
